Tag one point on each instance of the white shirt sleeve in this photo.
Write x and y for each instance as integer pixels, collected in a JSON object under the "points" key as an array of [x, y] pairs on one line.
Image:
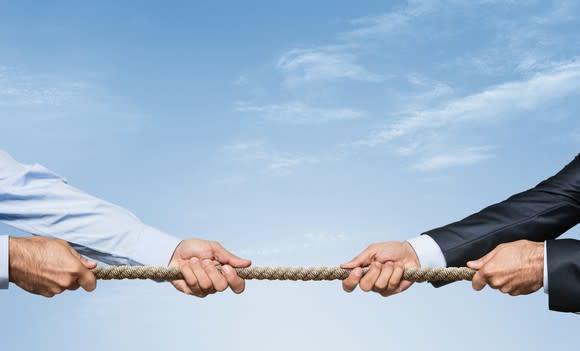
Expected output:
{"points": [[37, 201], [4, 262], [428, 252]]}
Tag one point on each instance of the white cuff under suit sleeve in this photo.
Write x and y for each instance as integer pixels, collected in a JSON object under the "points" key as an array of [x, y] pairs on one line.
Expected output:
{"points": [[428, 252]]}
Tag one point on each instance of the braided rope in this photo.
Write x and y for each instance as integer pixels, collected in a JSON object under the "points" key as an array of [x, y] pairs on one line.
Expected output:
{"points": [[281, 273]]}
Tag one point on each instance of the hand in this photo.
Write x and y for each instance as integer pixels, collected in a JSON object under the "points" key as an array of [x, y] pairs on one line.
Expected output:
{"points": [[515, 268], [387, 263], [47, 266], [197, 260]]}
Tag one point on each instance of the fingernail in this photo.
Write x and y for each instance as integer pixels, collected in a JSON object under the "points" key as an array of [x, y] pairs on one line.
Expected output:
{"points": [[358, 272], [206, 262], [227, 269], [377, 265], [194, 260]]}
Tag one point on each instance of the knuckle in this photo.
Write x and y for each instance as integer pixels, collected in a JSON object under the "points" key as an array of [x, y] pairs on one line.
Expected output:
{"points": [[56, 290], [485, 273], [221, 287], [65, 282], [380, 285]]}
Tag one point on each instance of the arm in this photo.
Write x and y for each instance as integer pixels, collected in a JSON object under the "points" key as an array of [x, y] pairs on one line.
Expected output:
{"points": [[541, 213], [36, 200], [538, 214]]}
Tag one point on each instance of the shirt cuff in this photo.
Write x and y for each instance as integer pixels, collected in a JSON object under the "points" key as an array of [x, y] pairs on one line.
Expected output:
{"points": [[428, 252], [4, 262], [546, 267], [155, 247]]}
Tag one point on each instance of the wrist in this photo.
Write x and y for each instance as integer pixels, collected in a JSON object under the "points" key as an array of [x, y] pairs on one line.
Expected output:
{"points": [[537, 259], [412, 257]]}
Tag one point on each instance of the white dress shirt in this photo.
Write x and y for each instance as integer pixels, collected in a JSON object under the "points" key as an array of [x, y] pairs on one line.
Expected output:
{"points": [[36, 200], [431, 255]]}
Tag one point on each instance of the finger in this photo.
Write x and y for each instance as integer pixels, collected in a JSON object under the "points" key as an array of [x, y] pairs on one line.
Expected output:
{"points": [[506, 289], [368, 281], [350, 283], [384, 277], [478, 282], [188, 275], [226, 257], [405, 284], [363, 259], [395, 281], [87, 280], [202, 278], [237, 284], [218, 281], [182, 286], [73, 286], [477, 264], [87, 263]]}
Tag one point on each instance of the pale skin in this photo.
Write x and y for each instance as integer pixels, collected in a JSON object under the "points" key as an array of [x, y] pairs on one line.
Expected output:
{"points": [[386, 262], [47, 267], [514, 268], [197, 260]]}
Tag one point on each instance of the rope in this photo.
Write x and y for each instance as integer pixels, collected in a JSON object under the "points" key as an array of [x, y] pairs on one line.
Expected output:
{"points": [[281, 273]]}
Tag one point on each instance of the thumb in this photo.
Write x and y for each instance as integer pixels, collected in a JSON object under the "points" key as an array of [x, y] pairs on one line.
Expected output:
{"points": [[477, 264], [88, 264], [226, 257], [362, 260]]}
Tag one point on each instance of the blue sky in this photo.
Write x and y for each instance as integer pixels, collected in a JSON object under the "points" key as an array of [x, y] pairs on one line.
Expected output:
{"points": [[294, 134]]}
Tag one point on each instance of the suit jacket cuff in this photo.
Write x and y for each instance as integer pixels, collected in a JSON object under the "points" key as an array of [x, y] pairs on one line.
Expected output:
{"points": [[563, 262]]}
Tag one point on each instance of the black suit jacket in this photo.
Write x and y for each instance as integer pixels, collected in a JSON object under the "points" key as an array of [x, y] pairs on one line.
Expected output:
{"points": [[541, 213]]}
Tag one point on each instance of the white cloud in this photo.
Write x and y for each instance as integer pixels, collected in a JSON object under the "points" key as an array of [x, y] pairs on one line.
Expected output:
{"points": [[299, 113], [461, 157], [498, 101], [49, 97], [255, 153], [242, 80], [389, 22], [322, 64], [20, 90]]}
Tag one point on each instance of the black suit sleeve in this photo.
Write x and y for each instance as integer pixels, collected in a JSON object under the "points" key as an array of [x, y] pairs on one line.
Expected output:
{"points": [[541, 213], [564, 274]]}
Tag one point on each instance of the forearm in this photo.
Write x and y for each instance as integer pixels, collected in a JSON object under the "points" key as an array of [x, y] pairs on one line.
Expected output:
{"points": [[37, 201], [539, 214]]}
